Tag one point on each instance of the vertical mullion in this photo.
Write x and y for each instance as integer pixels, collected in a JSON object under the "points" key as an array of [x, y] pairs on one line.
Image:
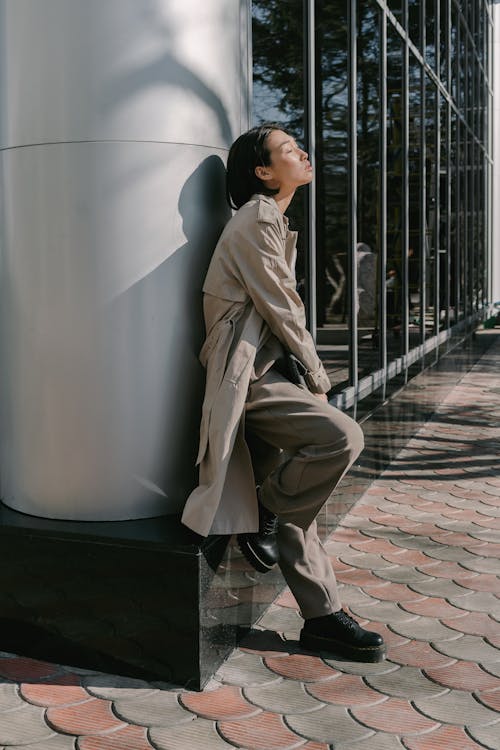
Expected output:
{"points": [[310, 127], [448, 213], [352, 187], [437, 213], [423, 199], [383, 198], [405, 290]]}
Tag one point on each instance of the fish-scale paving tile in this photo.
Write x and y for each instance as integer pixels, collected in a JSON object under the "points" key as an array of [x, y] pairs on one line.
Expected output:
{"points": [[22, 669], [418, 654], [484, 549], [424, 543], [450, 737], [432, 606], [487, 736], [25, 726], [246, 670], [93, 716], [483, 565], [368, 561], [469, 647], [450, 553], [439, 587], [457, 707], [346, 690], [55, 742], [123, 739], [463, 675], [286, 697], [267, 731], [161, 709], [281, 619], [490, 699], [300, 667], [445, 569], [478, 601], [411, 683], [226, 702], [395, 716], [9, 698], [64, 690], [199, 733], [387, 612], [400, 556], [425, 629], [362, 669], [333, 725], [403, 574], [111, 687], [392, 592], [353, 595], [358, 577], [474, 623]]}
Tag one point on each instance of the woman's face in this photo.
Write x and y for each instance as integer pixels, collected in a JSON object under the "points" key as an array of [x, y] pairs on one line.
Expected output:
{"points": [[289, 167]]}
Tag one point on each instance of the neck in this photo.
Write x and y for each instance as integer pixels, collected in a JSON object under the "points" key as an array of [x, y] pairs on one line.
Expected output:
{"points": [[284, 198]]}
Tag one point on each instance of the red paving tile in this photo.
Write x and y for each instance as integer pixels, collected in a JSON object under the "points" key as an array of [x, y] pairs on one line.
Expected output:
{"points": [[301, 667], [266, 731], [358, 577], [443, 569], [407, 557], [20, 669], [392, 592], [346, 690], [444, 738], [129, 738], [482, 582], [58, 691], [224, 703], [419, 654], [394, 715], [474, 623], [485, 549], [377, 546], [491, 698], [95, 716], [287, 599], [463, 675], [433, 607]]}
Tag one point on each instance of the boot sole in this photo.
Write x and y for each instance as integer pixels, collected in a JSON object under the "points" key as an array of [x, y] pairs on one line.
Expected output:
{"points": [[342, 651], [252, 557]]}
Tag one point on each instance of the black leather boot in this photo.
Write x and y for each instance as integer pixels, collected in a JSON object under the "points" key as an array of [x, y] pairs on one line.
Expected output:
{"points": [[341, 636], [261, 548]]}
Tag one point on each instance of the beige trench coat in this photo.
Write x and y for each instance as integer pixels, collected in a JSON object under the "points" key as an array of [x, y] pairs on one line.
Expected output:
{"points": [[252, 310]]}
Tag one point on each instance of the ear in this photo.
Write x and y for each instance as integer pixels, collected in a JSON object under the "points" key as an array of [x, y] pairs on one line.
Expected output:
{"points": [[263, 173]]}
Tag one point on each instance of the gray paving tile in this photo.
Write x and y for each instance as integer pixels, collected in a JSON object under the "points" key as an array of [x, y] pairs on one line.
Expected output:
{"points": [[56, 742], [282, 620], [413, 541], [408, 683], [331, 724], [438, 587], [464, 527], [450, 554], [25, 725], [362, 669], [380, 741], [478, 601], [487, 736], [425, 629], [161, 709], [245, 670], [353, 595], [286, 697], [491, 667], [199, 733], [486, 535], [403, 574], [483, 565], [470, 648], [457, 707], [365, 561], [113, 687], [387, 612], [9, 698]]}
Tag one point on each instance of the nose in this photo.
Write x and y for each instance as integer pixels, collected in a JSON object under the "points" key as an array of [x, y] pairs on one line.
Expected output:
{"points": [[304, 154]]}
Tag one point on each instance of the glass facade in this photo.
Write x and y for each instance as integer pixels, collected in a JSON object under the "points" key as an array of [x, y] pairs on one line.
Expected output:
{"points": [[392, 100]]}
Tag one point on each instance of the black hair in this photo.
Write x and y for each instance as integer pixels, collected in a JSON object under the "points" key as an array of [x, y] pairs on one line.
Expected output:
{"points": [[247, 152]]}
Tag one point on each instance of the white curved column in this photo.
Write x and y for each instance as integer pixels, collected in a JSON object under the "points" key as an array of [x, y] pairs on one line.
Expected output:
{"points": [[115, 119]]}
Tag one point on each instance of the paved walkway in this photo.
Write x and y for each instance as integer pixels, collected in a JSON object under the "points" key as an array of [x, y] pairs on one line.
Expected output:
{"points": [[418, 560]]}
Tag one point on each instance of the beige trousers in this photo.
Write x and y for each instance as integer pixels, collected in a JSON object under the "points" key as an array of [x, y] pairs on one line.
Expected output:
{"points": [[320, 443]]}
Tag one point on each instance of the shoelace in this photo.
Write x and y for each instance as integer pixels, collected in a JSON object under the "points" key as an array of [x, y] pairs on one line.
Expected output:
{"points": [[270, 525], [346, 620]]}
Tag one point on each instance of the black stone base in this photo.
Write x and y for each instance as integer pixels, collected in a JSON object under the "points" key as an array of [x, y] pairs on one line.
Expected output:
{"points": [[129, 598]]}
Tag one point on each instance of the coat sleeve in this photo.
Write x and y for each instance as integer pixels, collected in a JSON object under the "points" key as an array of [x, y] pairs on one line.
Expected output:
{"points": [[261, 267]]}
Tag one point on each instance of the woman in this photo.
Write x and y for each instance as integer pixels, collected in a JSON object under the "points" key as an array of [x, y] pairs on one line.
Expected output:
{"points": [[252, 411]]}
